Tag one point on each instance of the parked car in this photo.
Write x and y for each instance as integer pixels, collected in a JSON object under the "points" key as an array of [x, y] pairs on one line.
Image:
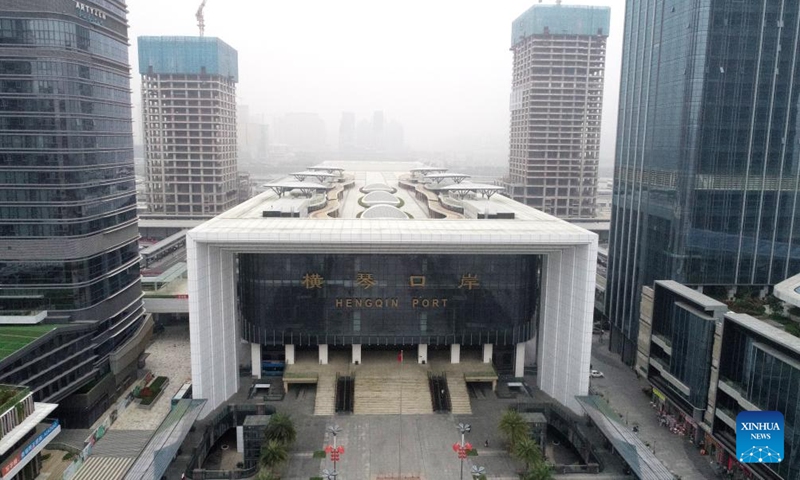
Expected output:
{"points": [[596, 374]]}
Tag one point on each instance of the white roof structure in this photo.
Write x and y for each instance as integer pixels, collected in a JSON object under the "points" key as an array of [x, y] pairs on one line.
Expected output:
{"points": [[464, 188], [426, 170], [320, 176], [323, 168], [377, 198], [456, 177], [306, 187], [384, 211], [378, 187], [789, 290]]}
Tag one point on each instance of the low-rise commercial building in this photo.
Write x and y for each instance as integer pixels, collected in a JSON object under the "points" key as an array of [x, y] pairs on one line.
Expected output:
{"points": [[707, 364], [24, 431]]}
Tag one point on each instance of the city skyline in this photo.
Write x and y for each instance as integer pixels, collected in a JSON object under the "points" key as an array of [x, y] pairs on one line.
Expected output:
{"points": [[449, 87]]}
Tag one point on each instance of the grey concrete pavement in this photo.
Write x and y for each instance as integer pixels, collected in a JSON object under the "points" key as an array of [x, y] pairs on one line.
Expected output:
{"points": [[623, 391]]}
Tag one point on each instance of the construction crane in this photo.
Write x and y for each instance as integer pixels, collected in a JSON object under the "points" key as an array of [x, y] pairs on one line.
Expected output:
{"points": [[201, 23]]}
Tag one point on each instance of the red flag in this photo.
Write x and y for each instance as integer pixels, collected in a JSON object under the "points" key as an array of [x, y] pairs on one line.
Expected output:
{"points": [[400, 356]]}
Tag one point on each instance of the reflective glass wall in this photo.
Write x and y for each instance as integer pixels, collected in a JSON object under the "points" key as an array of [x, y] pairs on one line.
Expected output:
{"points": [[68, 226], [767, 375], [706, 171], [388, 299]]}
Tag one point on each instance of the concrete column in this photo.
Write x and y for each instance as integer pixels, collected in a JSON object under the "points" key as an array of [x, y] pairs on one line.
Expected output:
{"points": [[455, 353], [323, 354], [255, 359], [357, 353], [289, 353], [488, 350], [422, 353], [519, 361]]}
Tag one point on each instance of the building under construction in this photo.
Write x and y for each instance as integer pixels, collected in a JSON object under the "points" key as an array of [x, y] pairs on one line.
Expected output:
{"points": [[189, 118], [556, 105]]}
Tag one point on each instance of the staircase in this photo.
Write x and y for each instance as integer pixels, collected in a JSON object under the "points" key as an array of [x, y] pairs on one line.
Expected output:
{"points": [[325, 401], [459, 397], [122, 443], [391, 390], [380, 395]]}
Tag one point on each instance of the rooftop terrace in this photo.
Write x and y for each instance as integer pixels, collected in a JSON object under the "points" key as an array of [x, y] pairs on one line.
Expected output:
{"points": [[13, 338]]}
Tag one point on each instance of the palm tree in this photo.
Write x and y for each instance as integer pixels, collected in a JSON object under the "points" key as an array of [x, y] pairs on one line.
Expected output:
{"points": [[265, 474], [529, 452], [273, 453], [540, 471], [513, 427], [281, 429]]}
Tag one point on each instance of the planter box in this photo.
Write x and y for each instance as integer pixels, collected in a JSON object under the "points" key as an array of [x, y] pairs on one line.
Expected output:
{"points": [[155, 399]]}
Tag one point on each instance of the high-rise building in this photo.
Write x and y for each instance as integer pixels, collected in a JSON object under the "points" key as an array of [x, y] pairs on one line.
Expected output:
{"points": [[189, 119], [69, 256], [556, 105], [706, 176], [347, 132]]}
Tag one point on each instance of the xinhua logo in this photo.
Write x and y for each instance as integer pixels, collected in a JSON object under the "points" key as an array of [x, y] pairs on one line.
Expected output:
{"points": [[759, 437]]}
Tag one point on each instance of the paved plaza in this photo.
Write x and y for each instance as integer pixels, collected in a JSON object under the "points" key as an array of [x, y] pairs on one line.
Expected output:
{"points": [[168, 356]]}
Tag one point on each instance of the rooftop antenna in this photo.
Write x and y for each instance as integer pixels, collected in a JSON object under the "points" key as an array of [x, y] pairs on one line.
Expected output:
{"points": [[201, 23]]}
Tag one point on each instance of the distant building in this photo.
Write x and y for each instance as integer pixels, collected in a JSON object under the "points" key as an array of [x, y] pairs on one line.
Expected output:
{"points": [[556, 106], [347, 132], [189, 119], [70, 292], [707, 159], [301, 131], [252, 136]]}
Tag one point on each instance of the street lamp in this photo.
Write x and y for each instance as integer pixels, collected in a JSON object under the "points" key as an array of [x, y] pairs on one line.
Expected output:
{"points": [[477, 472], [334, 450], [462, 449], [329, 475]]}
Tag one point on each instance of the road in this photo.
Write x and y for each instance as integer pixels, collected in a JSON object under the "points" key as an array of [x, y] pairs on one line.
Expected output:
{"points": [[623, 391]]}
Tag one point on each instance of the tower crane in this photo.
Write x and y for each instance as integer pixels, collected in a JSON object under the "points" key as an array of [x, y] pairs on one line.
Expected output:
{"points": [[201, 23]]}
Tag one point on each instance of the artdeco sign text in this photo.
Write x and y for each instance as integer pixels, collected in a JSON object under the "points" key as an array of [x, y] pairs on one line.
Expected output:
{"points": [[365, 280]]}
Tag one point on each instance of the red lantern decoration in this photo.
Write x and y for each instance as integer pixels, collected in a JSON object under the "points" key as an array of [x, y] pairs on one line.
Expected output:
{"points": [[334, 452]]}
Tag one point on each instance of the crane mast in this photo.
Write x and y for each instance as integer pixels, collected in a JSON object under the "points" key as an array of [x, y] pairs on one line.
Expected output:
{"points": [[201, 23]]}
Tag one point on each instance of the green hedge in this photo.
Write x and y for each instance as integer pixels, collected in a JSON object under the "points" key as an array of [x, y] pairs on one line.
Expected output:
{"points": [[154, 389]]}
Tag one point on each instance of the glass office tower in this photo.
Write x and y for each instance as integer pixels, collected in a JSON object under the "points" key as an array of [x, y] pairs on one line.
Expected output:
{"points": [[68, 225], [706, 172]]}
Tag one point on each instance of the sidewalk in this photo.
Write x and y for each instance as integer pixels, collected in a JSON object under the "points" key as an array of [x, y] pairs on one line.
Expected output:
{"points": [[623, 391]]}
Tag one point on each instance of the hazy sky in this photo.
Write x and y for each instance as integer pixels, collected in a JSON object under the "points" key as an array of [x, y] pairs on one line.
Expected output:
{"points": [[441, 68]]}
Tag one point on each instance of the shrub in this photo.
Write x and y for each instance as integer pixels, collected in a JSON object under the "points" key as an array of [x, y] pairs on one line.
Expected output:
{"points": [[793, 328]]}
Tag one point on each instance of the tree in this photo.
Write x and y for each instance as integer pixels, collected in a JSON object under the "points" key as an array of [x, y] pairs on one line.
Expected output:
{"points": [[513, 427], [265, 474], [540, 471], [281, 429], [273, 453], [529, 452]]}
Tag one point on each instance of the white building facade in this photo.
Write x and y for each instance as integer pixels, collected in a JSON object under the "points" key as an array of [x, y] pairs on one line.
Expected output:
{"points": [[521, 282]]}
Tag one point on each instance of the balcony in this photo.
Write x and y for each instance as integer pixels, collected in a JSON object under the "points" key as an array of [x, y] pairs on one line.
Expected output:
{"points": [[22, 317]]}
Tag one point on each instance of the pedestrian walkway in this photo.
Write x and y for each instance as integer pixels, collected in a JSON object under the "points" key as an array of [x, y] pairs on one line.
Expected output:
{"points": [[623, 391], [168, 356]]}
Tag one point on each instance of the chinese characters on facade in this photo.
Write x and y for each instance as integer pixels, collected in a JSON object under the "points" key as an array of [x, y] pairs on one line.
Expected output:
{"points": [[365, 280]]}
